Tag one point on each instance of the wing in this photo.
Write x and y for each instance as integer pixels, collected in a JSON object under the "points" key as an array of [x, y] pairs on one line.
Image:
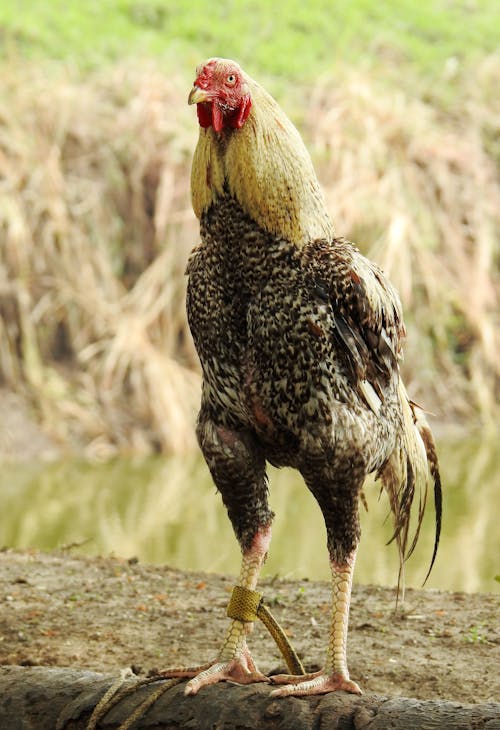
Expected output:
{"points": [[367, 314]]}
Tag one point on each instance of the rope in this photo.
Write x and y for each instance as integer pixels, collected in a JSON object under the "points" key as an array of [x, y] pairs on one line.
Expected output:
{"points": [[244, 605], [113, 697], [287, 651], [106, 703], [144, 706]]}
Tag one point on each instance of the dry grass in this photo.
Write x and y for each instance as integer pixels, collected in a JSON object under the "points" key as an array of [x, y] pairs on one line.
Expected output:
{"points": [[95, 227]]}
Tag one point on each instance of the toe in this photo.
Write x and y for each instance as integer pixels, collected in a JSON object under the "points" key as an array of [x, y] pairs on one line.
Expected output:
{"points": [[234, 671], [212, 675], [319, 684], [293, 678]]}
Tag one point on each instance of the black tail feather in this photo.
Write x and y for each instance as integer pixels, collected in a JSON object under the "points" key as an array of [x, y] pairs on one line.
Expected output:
{"points": [[438, 506]]}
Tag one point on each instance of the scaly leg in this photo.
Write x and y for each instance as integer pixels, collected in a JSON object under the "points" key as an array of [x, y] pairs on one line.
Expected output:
{"points": [[335, 675], [335, 484]]}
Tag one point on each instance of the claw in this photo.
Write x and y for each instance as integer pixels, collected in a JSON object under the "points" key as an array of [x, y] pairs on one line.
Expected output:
{"points": [[313, 684]]}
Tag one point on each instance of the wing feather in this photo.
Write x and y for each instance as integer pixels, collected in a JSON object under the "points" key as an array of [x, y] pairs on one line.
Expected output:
{"points": [[367, 315]]}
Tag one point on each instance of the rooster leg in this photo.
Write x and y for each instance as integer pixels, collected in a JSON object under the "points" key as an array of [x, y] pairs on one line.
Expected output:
{"points": [[238, 470], [234, 662], [339, 504]]}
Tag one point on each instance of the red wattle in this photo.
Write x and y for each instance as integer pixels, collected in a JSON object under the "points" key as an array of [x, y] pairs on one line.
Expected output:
{"points": [[211, 115], [204, 113]]}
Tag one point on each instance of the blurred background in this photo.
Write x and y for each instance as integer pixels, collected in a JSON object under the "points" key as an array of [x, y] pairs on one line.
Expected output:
{"points": [[398, 103]]}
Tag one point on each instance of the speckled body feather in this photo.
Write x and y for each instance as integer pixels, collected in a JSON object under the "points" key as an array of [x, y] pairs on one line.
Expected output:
{"points": [[289, 341]]}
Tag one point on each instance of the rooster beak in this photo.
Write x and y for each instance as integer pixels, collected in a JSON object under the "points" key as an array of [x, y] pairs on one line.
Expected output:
{"points": [[198, 95]]}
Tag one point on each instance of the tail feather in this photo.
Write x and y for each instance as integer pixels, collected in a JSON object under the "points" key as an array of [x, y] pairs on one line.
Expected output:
{"points": [[430, 448], [412, 469]]}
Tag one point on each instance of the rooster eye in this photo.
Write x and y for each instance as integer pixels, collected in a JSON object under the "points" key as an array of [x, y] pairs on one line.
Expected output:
{"points": [[231, 80]]}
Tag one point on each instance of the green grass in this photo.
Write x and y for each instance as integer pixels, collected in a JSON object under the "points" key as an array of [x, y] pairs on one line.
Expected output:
{"points": [[286, 38]]}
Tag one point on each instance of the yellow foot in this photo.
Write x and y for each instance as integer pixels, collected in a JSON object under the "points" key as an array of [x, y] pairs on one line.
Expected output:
{"points": [[241, 670], [312, 684]]}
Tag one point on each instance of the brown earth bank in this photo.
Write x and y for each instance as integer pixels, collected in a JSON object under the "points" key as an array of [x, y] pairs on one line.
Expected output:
{"points": [[104, 614]]}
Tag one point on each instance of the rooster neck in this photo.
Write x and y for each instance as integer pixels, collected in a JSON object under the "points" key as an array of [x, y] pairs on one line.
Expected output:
{"points": [[267, 169]]}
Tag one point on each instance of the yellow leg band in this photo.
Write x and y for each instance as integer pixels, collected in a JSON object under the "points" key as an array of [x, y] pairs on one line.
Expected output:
{"points": [[244, 604]]}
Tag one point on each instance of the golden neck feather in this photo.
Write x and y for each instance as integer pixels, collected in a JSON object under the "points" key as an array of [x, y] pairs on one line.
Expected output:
{"points": [[267, 168]]}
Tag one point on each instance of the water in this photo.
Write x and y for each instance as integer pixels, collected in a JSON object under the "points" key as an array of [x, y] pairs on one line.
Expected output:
{"points": [[166, 510]]}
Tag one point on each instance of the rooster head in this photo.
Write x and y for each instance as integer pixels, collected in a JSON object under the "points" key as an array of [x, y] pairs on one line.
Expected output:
{"points": [[221, 95]]}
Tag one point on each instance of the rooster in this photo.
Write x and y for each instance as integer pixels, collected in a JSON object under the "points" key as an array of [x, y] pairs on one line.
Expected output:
{"points": [[299, 338]]}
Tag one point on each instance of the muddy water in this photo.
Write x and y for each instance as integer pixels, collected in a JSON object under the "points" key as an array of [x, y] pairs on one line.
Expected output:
{"points": [[165, 510]]}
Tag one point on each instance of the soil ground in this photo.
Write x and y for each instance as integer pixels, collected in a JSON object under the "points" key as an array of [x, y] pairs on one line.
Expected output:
{"points": [[104, 614]]}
